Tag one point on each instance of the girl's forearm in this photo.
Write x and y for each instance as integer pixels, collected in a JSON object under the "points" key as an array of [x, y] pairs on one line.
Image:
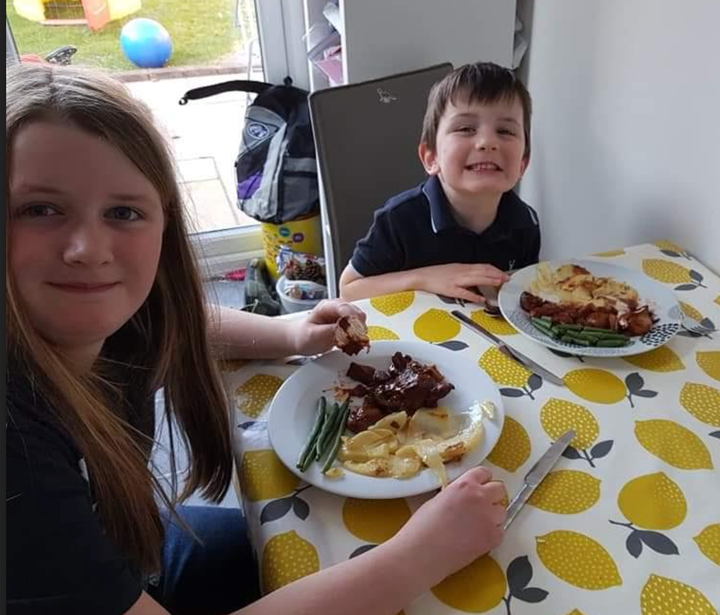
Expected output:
{"points": [[234, 334], [381, 581]]}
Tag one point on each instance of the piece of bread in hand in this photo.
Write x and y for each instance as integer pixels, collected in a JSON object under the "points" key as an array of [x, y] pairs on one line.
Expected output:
{"points": [[351, 335]]}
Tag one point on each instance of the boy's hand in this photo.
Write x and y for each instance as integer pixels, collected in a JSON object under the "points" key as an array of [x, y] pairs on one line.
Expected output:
{"points": [[460, 281]]}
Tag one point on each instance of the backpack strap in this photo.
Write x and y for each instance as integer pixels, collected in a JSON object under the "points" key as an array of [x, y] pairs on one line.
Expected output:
{"points": [[227, 86]]}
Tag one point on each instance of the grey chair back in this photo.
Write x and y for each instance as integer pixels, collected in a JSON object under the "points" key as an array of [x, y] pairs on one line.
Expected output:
{"points": [[366, 138]]}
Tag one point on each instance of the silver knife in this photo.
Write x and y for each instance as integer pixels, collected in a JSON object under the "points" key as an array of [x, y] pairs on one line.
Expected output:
{"points": [[533, 366], [536, 475]]}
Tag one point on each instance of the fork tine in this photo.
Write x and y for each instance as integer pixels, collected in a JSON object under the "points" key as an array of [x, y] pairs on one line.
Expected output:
{"points": [[692, 325]]}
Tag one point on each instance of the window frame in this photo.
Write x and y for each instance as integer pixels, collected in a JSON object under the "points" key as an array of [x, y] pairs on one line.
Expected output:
{"points": [[280, 26]]}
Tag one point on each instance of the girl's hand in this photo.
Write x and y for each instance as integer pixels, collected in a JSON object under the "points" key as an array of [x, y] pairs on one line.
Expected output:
{"points": [[315, 332], [457, 526]]}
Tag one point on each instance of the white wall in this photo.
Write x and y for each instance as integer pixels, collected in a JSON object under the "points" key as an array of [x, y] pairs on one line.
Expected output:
{"points": [[626, 133]]}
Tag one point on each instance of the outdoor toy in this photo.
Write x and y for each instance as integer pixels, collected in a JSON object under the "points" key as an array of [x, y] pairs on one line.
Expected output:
{"points": [[146, 43]]}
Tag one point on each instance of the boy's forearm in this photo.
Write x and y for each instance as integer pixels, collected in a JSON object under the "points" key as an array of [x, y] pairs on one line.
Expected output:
{"points": [[384, 284]]}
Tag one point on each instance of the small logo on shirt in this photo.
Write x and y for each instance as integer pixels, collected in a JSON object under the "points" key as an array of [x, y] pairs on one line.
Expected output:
{"points": [[385, 96], [511, 265]]}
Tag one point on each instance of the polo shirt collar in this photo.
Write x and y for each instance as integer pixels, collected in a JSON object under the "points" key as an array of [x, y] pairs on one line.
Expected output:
{"points": [[512, 213]]}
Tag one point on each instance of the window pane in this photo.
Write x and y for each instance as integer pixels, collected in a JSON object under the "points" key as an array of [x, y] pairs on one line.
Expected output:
{"points": [[207, 42]]}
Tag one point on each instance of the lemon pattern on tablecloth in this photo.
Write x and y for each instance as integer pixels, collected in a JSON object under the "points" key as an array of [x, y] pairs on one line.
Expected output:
{"points": [[375, 521], [670, 246], [691, 311], [286, 558], [672, 273], [231, 365], [596, 385], [702, 401], [659, 501], [708, 541], [610, 253], [264, 477], [390, 305], [558, 416], [436, 326], [566, 492], [661, 360], [577, 559], [504, 370], [663, 596], [477, 588], [377, 333], [253, 396], [709, 362], [494, 324], [653, 502], [674, 444], [513, 447], [666, 271]]}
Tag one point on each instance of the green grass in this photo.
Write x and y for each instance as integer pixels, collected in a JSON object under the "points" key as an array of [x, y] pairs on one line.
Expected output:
{"points": [[202, 31]]}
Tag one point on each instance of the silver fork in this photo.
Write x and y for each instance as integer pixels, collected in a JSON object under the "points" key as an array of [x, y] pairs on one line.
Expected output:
{"points": [[692, 325], [491, 300], [491, 297]]}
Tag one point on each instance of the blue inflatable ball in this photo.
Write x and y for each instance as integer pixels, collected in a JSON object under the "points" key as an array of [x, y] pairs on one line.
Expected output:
{"points": [[146, 43]]}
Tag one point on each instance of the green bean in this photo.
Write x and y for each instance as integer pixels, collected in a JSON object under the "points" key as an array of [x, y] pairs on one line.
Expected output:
{"points": [[326, 427], [337, 417], [589, 336], [314, 432], [568, 339], [613, 343], [599, 330], [573, 334], [570, 327], [338, 437], [541, 322], [545, 331], [615, 336], [541, 325], [307, 462]]}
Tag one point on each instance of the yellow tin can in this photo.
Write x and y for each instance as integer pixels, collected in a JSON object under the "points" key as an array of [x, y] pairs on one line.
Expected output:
{"points": [[301, 235]]}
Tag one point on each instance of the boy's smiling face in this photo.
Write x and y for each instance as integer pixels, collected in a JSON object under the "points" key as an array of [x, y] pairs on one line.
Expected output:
{"points": [[479, 149]]}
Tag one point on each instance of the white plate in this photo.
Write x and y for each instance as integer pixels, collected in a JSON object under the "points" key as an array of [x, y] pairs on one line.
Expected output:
{"points": [[664, 305], [292, 413]]}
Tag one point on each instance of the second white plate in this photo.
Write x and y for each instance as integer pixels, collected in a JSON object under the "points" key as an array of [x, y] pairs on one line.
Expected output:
{"points": [[664, 304]]}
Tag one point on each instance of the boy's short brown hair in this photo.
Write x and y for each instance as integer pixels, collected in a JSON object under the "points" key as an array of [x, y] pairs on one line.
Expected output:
{"points": [[483, 82]]}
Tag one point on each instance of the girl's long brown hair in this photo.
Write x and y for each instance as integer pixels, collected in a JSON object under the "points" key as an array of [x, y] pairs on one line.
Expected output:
{"points": [[164, 344]]}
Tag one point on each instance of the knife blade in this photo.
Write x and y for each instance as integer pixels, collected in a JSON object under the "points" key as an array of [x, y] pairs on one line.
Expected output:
{"points": [[524, 360], [536, 475]]}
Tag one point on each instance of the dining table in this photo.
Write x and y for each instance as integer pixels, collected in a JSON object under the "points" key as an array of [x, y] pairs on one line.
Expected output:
{"points": [[628, 520]]}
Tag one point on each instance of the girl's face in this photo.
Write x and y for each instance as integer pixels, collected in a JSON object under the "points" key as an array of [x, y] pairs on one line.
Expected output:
{"points": [[85, 235]]}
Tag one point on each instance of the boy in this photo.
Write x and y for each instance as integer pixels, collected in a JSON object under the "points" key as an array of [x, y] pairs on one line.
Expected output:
{"points": [[462, 227]]}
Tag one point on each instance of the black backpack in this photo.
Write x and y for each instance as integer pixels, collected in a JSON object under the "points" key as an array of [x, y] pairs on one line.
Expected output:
{"points": [[276, 168]]}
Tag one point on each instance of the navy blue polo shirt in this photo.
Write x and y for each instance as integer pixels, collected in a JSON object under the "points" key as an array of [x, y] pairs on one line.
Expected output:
{"points": [[417, 229]]}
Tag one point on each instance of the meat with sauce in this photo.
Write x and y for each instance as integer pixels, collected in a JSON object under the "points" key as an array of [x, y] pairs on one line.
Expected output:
{"points": [[633, 321], [407, 385]]}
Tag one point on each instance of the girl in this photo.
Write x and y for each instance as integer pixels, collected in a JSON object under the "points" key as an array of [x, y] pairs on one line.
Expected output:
{"points": [[103, 308]]}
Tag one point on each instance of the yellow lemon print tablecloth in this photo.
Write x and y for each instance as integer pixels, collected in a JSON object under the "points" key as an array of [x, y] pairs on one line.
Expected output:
{"points": [[629, 520]]}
